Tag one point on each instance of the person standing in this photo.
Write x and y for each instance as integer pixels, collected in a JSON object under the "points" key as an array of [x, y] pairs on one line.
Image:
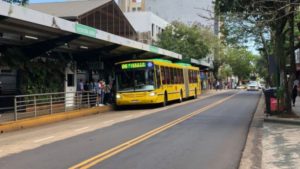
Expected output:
{"points": [[80, 91], [294, 94], [296, 82], [217, 85], [106, 94]]}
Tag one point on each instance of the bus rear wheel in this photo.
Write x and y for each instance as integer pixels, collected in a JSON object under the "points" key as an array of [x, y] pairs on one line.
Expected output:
{"points": [[196, 94], [180, 97], [165, 102]]}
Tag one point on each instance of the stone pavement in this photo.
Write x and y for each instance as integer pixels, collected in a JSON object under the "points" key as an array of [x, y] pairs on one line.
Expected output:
{"points": [[281, 142], [281, 146]]}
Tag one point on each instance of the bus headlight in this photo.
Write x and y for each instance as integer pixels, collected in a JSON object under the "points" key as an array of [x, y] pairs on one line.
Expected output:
{"points": [[118, 96], [152, 94]]}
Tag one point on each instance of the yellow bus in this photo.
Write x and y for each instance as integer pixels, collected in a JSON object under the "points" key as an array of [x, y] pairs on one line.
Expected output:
{"points": [[155, 81]]}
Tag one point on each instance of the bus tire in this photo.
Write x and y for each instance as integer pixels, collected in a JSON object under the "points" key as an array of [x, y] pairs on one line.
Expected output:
{"points": [[180, 97], [116, 107], [196, 94], [165, 102]]}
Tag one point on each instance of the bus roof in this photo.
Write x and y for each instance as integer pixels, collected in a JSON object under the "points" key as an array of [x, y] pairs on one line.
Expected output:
{"points": [[162, 62]]}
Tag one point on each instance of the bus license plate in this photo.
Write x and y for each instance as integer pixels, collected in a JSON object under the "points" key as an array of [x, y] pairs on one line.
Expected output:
{"points": [[135, 101]]}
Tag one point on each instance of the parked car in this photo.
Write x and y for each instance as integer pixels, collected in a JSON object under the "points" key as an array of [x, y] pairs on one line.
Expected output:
{"points": [[253, 85]]}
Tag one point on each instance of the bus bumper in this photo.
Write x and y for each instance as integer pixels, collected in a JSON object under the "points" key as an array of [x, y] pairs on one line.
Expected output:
{"points": [[146, 99]]}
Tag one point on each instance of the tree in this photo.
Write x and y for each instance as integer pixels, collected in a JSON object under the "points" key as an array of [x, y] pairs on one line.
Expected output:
{"points": [[274, 16], [241, 61], [261, 69], [190, 41], [20, 2], [225, 71]]}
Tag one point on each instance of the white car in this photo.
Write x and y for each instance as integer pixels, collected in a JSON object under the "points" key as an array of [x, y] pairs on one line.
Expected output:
{"points": [[253, 85]]}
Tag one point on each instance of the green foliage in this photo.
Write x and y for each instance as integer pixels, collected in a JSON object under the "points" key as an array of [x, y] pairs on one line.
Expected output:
{"points": [[36, 75], [20, 2], [225, 71], [261, 68], [44, 76], [190, 41], [241, 61]]}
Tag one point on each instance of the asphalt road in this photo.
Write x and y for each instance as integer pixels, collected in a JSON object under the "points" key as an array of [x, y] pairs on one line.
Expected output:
{"points": [[212, 139]]}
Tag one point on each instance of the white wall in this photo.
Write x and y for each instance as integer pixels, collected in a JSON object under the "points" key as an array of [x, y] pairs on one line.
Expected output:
{"points": [[142, 22], [186, 11]]}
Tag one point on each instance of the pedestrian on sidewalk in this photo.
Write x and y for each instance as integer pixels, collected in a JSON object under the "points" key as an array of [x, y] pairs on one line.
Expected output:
{"points": [[294, 94], [217, 85]]}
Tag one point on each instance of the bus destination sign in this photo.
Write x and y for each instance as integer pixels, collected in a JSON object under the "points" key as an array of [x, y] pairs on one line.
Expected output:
{"points": [[133, 65]]}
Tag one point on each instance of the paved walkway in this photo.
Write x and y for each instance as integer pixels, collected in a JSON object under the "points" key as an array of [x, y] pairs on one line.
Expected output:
{"points": [[281, 146], [296, 109], [281, 142]]}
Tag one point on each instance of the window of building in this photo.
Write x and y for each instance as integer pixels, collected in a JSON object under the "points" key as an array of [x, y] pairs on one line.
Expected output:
{"points": [[152, 30]]}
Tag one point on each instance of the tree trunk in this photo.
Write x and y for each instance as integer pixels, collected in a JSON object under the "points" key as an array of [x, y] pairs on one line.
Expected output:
{"points": [[292, 58]]}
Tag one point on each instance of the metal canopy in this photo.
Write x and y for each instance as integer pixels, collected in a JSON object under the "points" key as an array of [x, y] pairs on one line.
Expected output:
{"points": [[25, 27]]}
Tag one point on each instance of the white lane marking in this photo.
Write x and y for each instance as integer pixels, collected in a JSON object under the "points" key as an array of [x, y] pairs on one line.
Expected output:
{"points": [[165, 108], [108, 122], [80, 129], [43, 139], [129, 116]]}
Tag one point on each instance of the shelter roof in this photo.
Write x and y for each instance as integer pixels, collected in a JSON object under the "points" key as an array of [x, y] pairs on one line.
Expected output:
{"points": [[68, 8]]}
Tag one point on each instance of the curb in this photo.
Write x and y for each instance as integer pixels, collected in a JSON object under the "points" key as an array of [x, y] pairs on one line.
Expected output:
{"points": [[282, 120], [252, 153], [47, 119]]}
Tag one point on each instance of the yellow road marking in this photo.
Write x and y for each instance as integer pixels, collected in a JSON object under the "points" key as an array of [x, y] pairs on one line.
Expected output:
{"points": [[115, 150]]}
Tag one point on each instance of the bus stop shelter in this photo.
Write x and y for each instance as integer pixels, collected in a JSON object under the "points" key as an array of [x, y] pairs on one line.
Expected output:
{"points": [[36, 34]]}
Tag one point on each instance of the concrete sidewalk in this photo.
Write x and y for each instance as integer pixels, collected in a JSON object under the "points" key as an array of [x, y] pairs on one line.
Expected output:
{"points": [[273, 142], [281, 141]]}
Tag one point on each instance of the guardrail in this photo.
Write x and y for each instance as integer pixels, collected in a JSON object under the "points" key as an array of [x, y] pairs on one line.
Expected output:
{"points": [[28, 106]]}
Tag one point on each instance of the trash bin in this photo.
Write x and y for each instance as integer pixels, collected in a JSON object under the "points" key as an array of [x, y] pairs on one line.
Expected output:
{"points": [[269, 93]]}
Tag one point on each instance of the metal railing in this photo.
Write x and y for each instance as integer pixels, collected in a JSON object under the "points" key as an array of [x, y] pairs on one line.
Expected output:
{"points": [[28, 106]]}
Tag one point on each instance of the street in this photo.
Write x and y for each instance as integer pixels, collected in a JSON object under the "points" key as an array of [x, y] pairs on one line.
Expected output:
{"points": [[203, 133]]}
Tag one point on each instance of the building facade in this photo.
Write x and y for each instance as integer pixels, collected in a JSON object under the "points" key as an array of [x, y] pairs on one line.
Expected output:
{"points": [[100, 14], [132, 5], [188, 12], [147, 25]]}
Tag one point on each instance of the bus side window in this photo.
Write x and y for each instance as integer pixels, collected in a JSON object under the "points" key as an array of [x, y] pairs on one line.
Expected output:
{"points": [[163, 75], [175, 76], [194, 76], [178, 75], [190, 77], [158, 82], [172, 75], [167, 75]]}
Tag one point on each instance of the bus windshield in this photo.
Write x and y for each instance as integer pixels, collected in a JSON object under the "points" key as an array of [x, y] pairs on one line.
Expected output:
{"points": [[135, 80]]}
